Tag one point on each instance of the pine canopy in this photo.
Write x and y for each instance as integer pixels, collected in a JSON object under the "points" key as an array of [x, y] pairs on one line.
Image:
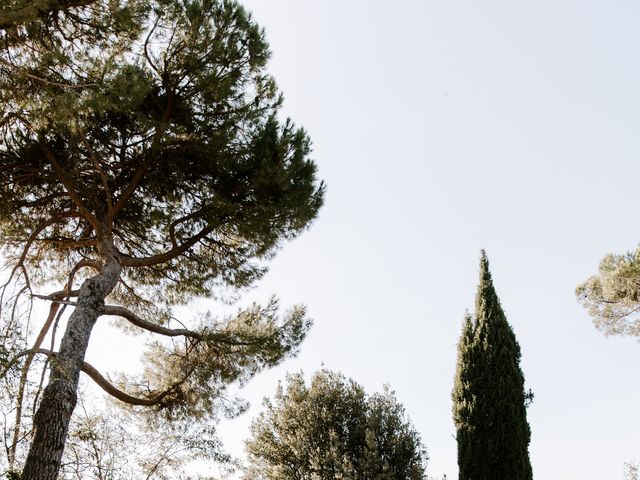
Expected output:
{"points": [[167, 135], [143, 162]]}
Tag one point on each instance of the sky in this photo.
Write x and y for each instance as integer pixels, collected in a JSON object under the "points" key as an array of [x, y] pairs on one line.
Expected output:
{"points": [[444, 127], [440, 128]]}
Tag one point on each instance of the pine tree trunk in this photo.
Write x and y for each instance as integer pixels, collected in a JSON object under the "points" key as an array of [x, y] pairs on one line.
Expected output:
{"points": [[51, 421]]}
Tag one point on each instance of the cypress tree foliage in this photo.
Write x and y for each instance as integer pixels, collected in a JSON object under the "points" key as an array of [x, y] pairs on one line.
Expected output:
{"points": [[489, 399], [463, 395]]}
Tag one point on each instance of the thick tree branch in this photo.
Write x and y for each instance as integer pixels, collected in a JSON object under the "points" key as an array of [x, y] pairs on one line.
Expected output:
{"points": [[103, 383], [127, 314], [210, 337], [154, 400], [68, 184], [95, 375], [80, 265], [128, 261]]}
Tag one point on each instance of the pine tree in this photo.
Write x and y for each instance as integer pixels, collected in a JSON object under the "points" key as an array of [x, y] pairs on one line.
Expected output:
{"points": [[612, 296], [143, 163], [489, 399]]}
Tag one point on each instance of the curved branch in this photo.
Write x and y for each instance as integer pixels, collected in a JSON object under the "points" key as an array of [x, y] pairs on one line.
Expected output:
{"points": [[33, 237], [172, 226], [210, 337], [156, 399], [96, 376], [53, 300], [149, 326], [18, 356], [80, 265], [104, 384], [128, 261]]}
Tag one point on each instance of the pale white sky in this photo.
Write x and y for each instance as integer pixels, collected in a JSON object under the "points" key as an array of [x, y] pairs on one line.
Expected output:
{"points": [[442, 127]]}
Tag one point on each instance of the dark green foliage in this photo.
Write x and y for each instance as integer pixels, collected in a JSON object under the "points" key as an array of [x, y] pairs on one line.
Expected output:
{"points": [[175, 146], [489, 399], [16, 12], [146, 134], [331, 430]]}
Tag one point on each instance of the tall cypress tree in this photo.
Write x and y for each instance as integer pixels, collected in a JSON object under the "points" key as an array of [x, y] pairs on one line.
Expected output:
{"points": [[489, 399]]}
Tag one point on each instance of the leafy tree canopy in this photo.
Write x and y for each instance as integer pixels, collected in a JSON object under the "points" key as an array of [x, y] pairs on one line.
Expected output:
{"points": [[333, 430], [16, 12], [166, 137], [143, 163], [612, 296]]}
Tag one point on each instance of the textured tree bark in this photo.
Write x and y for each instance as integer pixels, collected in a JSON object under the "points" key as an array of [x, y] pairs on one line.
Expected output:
{"points": [[59, 398]]}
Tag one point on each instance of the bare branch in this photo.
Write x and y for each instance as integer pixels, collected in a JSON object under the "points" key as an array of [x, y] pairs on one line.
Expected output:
{"points": [[54, 300], [94, 374], [11, 453], [149, 326], [32, 238]]}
